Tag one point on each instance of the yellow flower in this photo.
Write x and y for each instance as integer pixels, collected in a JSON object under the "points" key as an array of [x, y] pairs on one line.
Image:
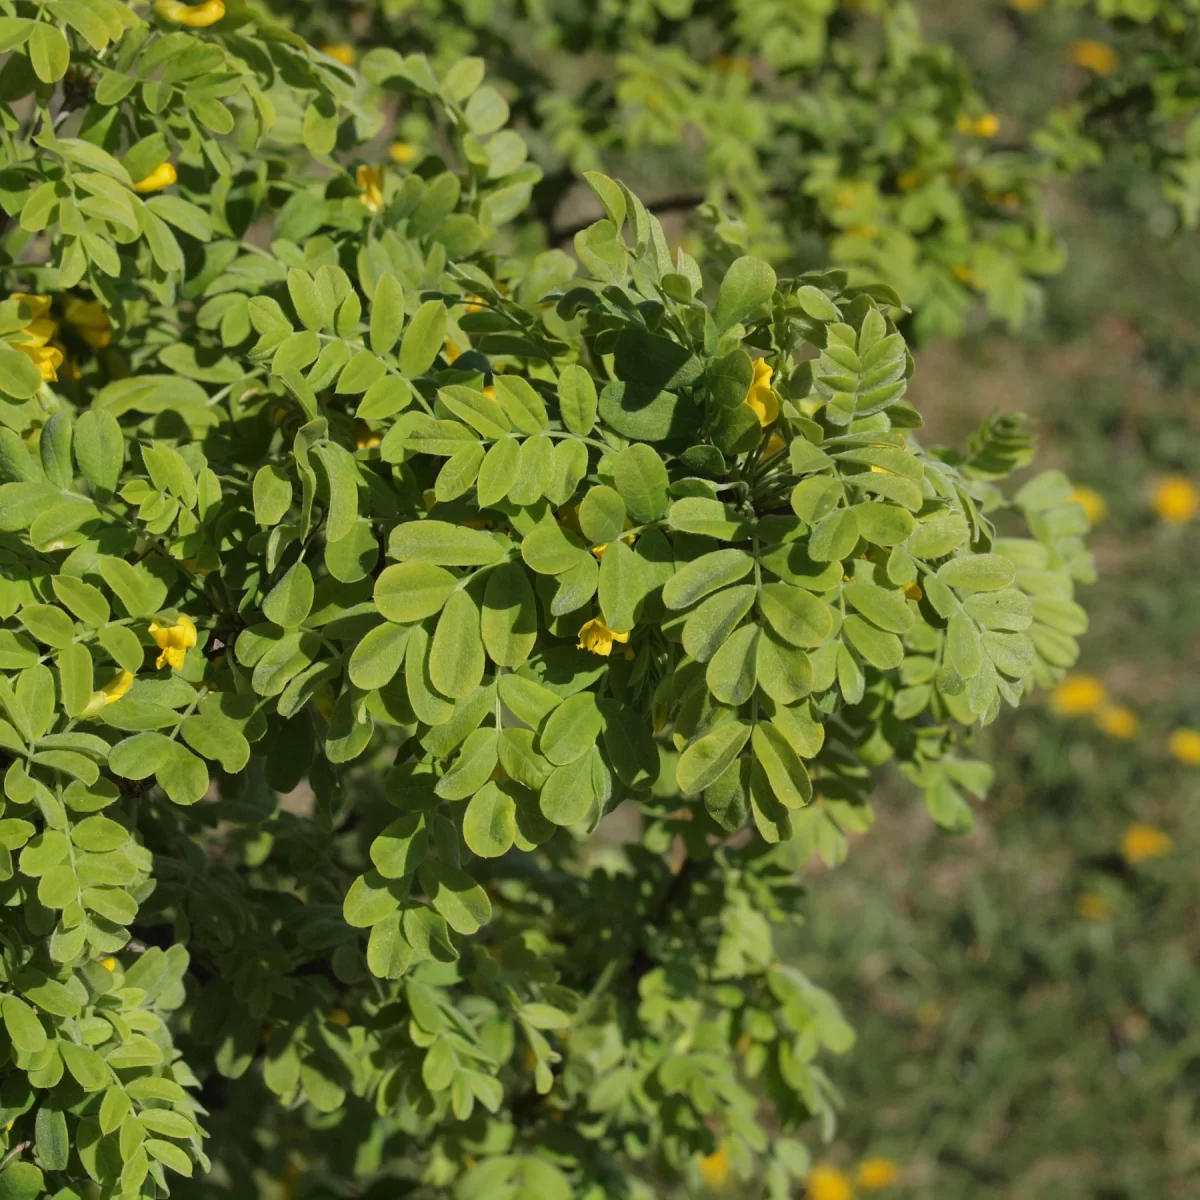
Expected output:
{"points": [[174, 641], [402, 153], [1140, 842], [986, 126], [1184, 746], [370, 187], [714, 1168], [929, 1014], [47, 359], [828, 1183], [1092, 907], [964, 274], [90, 318], [595, 636], [875, 1174], [37, 334], [913, 591], [760, 396], [599, 550], [1095, 56], [341, 52], [161, 177], [1117, 721], [451, 350], [116, 687], [364, 436], [1176, 500], [194, 16], [908, 180], [1078, 695], [109, 964], [775, 443], [339, 1017], [1092, 503]]}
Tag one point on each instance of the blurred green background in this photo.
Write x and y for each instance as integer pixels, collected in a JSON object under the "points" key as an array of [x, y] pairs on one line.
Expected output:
{"points": [[1026, 995]]}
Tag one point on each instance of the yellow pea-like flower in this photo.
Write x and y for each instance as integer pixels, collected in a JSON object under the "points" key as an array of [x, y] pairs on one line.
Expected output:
{"points": [[761, 396], [91, 319], [341, 52], [161, 177], [117, 687], [986, 126], [402, 153], [714, 1168], [596, 637], [174, 641], [1094, 56], [339, 1017], [370, 187], [194, 16], [109, 964]]}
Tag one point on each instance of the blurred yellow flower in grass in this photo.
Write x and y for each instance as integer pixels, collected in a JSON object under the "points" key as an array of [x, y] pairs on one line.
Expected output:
{"points": [[1176, 500], [339, 1017], [596, 637], [828, 1183], [760, 396], [1094, 56], [1078, 695], [1142, 842], [875, 1174], [714, 1168], [1092, 907], [370, 187], [341, 52], [929, 1014], [1092, 503], [402, 153], [1117, 721], [109, 964], [1184, 746], [174, 641]]}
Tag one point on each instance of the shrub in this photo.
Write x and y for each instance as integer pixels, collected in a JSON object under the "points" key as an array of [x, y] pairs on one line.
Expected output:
{"points": [[358, 561]]}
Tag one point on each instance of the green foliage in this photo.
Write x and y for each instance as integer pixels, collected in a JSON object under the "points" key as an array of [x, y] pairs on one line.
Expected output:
{"points": [[811, 132], [358, 563]]}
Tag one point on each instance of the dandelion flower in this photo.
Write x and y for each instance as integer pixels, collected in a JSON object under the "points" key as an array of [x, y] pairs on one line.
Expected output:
{"points": [[1176, 500], [1141, 842], [1078, 695], [1184, 746]]}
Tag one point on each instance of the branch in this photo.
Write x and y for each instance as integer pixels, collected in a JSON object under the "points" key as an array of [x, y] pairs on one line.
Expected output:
{"points": [[642, 961]]}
